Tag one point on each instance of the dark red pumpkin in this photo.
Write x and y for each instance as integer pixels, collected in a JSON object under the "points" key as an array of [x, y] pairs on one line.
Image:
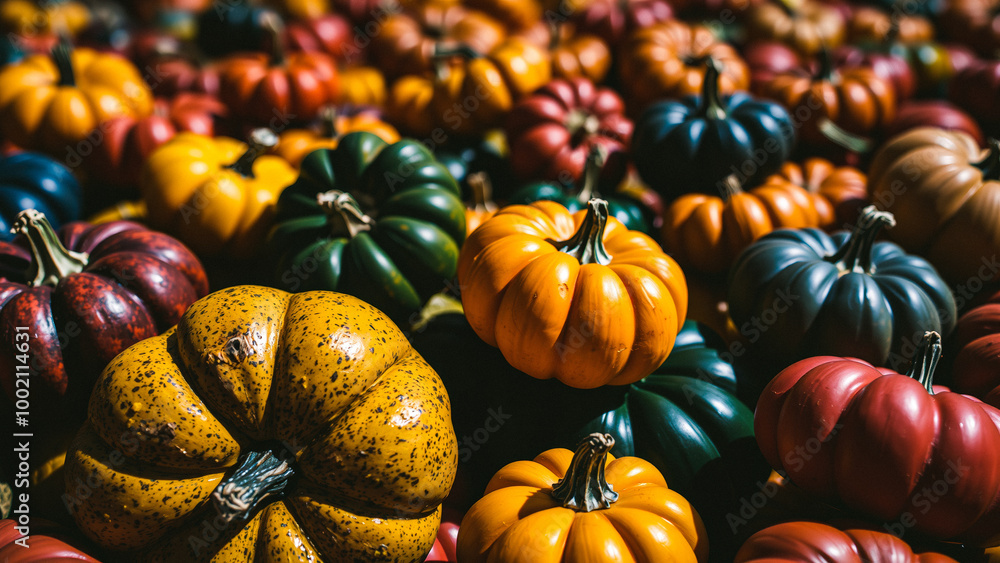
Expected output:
{"points": [[885, 62], [977, 335], [886, 444], [613, 20], [976, 89], [767, 59], [330, 34], [86, 294], [173, 74], [551, 132], [128, 141], [446, 542], [933, 113]]}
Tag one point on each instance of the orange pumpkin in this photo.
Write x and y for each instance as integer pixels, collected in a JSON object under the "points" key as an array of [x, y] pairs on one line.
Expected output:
{"points": [[804, 25], [709, 232], [581, 506], [409, 104], [872, 25], [294, 144], [578, 55], [666, 60], [361, 86], [576, 297], [839, 192], [29, 18], [52, 104]]}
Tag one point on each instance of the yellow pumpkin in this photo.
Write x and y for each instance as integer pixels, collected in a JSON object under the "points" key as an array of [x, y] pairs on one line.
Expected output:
{"points": [[582, 506], [53, 103], [294, 144], [315, 396], [215, 194], [30, 18]]}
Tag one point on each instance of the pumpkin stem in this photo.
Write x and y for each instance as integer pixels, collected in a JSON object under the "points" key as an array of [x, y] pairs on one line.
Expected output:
{"points": [[275, 27], [328, 122], [62, 57], [842, 138], [730, 186], [581, 125], [587, 243], [584, 487], [555, 39], [340, 206], [787, 7], [711, 106], [482, 192], [991, 164], [51, 261], [596, 158], [856, 254], [260, 475], [260, 141], [460, 50], [825, 71], [925, 360]]}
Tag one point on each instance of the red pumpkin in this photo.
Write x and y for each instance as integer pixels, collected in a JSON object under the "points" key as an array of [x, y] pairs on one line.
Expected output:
{"points": [[88, 293], [129, 141], [812, 541], [277, 88], [446, 542], [886, 444], [330, 34], [39, 547], [613, 20], [933, 113], [977, 335], [551, 132], [976, 89], [767, 59]]}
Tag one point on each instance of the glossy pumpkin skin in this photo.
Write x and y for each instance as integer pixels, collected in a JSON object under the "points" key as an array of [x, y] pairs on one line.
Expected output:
{"points": [[881, 468], [766, 59], [664, 61], [613, 21], [191, 191], [273, 91], [933, 113], [812, 541], [326, 33], [518, 518], [707, 233], [37, 113], [406, 42], [397, 264], [579, 56], [128, 141], [627, 210], [977, 338], [35, 181], [131, 284], [251, 352], [692, 145], [940, 187], [361, 86], [806, 28], [886, 63], [27, 18], [551, 132], [838, 192], [572, 317], [855, 99], [446, 541], [800, 293], [41, 548]]}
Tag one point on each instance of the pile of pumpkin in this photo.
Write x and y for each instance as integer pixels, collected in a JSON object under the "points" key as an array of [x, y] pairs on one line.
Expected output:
{"points": [[500, 280]]}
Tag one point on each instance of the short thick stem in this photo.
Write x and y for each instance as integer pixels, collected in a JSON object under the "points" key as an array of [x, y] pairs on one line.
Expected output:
{"points": [[343, 209], [825, 71], [460, 50], [856, 255], [62, 57], [482, 192], [259, 476], [926, 359], [729, 187], [51, 261], [584, 487], [711, 105], [596, 159], [328, 122], [275, 28], [260, 141], [586, 245], [991, 164], [581, 125]]}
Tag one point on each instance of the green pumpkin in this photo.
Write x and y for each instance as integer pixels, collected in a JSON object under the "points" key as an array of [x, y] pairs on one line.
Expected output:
{"points": [[622, 207], [378, 221], [683, 418]]}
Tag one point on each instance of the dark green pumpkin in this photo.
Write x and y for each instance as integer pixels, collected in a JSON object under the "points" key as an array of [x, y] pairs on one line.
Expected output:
{"points": [[692, 145], [797, 293], [378, 221], [481, 155], [622, 207], [683, 418]]}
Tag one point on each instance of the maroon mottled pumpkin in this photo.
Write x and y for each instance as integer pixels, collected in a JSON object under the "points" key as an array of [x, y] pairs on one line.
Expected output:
{"points": [[86, 294]]}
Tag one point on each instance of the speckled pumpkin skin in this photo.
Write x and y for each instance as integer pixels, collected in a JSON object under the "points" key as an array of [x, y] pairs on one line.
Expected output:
{"points": [[326, 375]]}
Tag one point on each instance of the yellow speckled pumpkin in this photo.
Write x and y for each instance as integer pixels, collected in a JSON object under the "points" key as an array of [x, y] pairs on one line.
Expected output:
{"points": [[266, 426]]}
